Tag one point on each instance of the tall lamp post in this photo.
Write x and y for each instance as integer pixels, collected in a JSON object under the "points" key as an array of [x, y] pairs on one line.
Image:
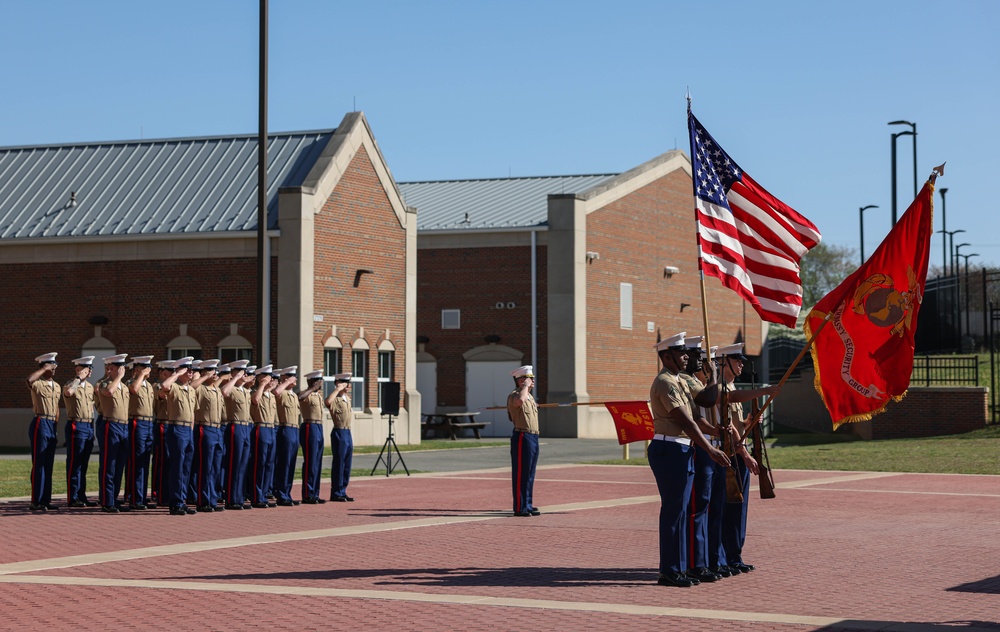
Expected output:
{"points": [[950, 236], [861, 222], [944, 227], [913, 133], [967, 257], [956, 253]]}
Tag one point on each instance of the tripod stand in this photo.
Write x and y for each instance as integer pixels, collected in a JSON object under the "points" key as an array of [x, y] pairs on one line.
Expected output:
{"points": [[387, 448]]}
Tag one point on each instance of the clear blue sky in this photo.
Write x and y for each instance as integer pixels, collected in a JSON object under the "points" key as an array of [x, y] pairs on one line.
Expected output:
{"points": [[799, 93]]}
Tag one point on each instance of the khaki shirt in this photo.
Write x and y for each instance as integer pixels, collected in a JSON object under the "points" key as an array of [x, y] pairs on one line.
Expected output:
{"points": [[208, 405], [669, 391], [525, 416], [80, 405], [265, 412], [342, 412], [98, 404], [288, 409], [312, 407], [238, 404], [143, 403], [114, 406], [160, 405], [735, 410], [45, 396], [180, 403]]}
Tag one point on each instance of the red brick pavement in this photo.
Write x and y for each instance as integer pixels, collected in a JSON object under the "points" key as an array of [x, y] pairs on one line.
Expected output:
{"points": [[835, 550]]}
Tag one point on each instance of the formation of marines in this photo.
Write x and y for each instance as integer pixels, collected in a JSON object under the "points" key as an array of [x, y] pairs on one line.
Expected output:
{"points": [[201, 437], [701, 532]]}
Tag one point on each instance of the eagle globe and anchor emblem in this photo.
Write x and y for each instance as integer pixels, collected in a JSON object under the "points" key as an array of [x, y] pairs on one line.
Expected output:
{"points": [[885, 306]]}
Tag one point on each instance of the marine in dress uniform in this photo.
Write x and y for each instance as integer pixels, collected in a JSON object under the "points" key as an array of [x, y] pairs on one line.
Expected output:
{"points": [[237, 438], [704, 479], [286, 447], [178, 389], [225, 375], [113, 432], [734, 519], [341, 441], [45, 393], [264, 412], [208, 413], [141, 413], [78, 394], [311, 434], [671, 456], [523, 412], [157, 483]]}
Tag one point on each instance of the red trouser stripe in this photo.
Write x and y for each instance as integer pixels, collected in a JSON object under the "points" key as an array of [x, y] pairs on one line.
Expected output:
{"points": [[520, 468], [70, 444]]}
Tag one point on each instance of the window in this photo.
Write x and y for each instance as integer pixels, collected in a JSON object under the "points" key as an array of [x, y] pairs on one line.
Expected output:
{"points": [[626, 306], [359, 364], [386, 360], [451, 319], [176, 353], [232, 354], [331, 367]]}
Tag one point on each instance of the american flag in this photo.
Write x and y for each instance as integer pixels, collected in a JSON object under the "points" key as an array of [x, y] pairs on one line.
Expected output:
{"points": [[749, 239]]}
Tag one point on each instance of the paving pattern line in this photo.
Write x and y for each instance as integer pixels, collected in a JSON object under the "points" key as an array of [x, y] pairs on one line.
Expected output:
{"points": [[455, 599]]}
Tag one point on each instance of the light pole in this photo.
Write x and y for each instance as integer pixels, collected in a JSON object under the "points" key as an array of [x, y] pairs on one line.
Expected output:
{"points": [[950, 236], [967, 257], [913, 127], [956, 253], [944, 227], [861, 222]]}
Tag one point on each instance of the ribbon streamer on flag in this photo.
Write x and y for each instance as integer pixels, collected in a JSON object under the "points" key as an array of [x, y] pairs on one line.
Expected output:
{"points": [[748, 239]]}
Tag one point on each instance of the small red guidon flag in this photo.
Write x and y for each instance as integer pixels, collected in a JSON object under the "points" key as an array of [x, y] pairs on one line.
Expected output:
{"points": [[633, 421]]}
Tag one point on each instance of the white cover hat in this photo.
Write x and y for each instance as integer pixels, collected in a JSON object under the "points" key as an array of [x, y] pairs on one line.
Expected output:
{"points": [[84, 361], [734, 350], [523, 371], [239, 364], [675, 342], [313, 375], [264, 370], [116, 359], [693, 342], [47, 357], [292, 370], [343, 376], [209, 365], [185, 361], [144, 360]]}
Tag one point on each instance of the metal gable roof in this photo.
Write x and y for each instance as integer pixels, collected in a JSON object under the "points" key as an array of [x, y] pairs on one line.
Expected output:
{"points": [[484, 204], [148, 187]]}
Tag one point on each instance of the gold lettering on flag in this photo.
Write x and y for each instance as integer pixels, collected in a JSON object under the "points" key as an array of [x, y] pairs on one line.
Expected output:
{"points": [[633, 421]]}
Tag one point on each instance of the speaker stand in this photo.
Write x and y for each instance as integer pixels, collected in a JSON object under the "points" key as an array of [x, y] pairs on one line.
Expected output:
{"points": [[387, 448]]}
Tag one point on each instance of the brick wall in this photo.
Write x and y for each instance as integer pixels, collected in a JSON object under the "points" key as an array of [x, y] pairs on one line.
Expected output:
{"points": [[928, 412], [636, 236], [474, 280], [358, 229], [49, 308]]}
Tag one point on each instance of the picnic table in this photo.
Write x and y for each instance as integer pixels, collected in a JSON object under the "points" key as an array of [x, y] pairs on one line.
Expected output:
{"points": [[452, 423]]}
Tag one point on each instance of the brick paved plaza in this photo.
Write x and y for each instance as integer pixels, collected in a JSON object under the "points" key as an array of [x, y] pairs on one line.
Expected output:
{"points": [[834, 551]]}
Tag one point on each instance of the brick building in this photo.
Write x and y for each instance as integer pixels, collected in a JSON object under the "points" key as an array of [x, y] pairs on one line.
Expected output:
{"points": [[577, 275], [150, 246]]}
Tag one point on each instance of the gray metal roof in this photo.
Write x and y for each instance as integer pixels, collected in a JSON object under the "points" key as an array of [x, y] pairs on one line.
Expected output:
{"points": [[147, 187], [485, 204]]}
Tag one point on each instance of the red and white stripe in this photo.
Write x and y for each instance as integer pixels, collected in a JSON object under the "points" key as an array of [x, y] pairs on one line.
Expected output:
{"points": [[755, 250]]}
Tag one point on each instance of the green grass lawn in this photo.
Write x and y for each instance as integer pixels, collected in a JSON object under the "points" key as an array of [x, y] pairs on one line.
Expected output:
{"points": [[428, 444], [976, 452]]}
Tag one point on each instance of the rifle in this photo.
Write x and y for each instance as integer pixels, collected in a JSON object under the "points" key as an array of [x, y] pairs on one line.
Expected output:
{"points": [[734, 486], [765, 479]]}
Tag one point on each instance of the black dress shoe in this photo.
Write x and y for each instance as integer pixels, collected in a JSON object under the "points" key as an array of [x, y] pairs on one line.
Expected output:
{"points": [[110, 509], [721, 571], [336, 499], [248, 506], [523, 514], [733, 570], [348, 499], [534, 512], [206, 508], [270, 496], [138, 507], [743, 568], [150, 505], [676, 579], [261, 505], [35, 507], [78, 503], [287, 503], [702, 574], [235, 507], [189, 510], [220, 507]]}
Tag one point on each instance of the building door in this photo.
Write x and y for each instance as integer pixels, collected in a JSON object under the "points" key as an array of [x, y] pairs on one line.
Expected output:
{"points": [[488, 384], [427, 386]]}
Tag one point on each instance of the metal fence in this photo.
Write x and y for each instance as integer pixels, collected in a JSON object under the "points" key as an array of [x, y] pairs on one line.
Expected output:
{"points": [[941, 370]]}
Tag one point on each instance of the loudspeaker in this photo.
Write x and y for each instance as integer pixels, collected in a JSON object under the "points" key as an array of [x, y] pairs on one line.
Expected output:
{"points": [[390, 398]]}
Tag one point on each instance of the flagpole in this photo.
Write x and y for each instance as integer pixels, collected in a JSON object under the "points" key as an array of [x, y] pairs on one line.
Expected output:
{"points": [[760, 413]]}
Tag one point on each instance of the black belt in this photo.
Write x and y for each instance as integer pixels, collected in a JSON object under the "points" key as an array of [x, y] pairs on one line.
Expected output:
{"points": [[44, 418], [525, 431], [117, 421]]}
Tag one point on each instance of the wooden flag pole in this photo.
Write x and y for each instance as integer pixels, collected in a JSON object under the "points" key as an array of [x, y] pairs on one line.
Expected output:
{"points": [[760, 413]]}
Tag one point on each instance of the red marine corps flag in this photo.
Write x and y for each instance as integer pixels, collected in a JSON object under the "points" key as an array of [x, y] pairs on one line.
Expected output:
{"points": [[865, 357]]}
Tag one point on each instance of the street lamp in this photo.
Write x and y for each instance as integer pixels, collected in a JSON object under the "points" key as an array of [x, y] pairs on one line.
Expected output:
{"points": [[913, 127], [861, 222], [944, 227], [950, 236], [956, 254], [967, 257]]}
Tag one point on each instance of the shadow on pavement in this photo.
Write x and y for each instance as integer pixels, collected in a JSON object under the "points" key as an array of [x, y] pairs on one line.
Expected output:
{"points": [[852, 625], [990, 586], [457, 577]]}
